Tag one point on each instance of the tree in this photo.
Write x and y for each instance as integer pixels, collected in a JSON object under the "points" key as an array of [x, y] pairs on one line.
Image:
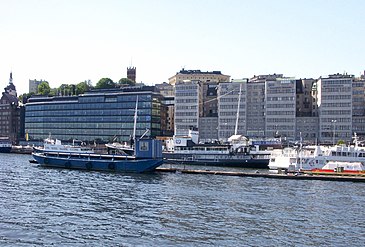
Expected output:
{"points": [[25, 96], [82, 87], [105, 83], [66, 90], [127, 81], [44, 88]]}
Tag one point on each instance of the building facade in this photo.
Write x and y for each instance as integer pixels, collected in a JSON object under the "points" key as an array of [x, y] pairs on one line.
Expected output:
{"points": [[97, 116], [10, 113], [33, 86], [188, 106], [335, 108], [232, 109], [280, 108], [197, 75]]}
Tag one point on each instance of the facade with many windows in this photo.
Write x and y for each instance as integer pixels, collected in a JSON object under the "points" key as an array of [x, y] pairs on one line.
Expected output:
{"points": [[335, 108], [100, 116], [188, 106], [280, 107], [10, 113], [231, 101]]}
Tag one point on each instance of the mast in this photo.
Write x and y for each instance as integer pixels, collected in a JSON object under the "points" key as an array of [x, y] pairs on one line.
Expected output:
{"points": [[135, 120], [238, 110]]}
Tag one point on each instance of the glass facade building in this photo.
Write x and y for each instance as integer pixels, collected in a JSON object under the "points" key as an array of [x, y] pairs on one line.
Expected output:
{"points": [[95, 116]]}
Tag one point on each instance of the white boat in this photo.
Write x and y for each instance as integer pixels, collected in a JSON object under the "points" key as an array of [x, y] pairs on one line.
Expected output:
{"points": [[51, 145], [315, 157], [344, 167]]}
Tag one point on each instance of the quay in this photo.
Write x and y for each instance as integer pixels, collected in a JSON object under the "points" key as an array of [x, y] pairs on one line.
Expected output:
{"points": [[305, 176]]}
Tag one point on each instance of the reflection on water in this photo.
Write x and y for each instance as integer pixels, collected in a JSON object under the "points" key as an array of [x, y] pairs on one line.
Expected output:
{"points": [[41, 206]]}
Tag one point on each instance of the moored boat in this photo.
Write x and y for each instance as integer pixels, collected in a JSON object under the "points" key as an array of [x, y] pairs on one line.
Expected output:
{"points": [[237, 152], [146, 159], [341, 167], [5, 145], [316, 157], [51, 145]]}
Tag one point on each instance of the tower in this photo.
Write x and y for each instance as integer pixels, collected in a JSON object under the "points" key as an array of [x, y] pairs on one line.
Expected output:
{"points": [[131, 73], [10, 89]]}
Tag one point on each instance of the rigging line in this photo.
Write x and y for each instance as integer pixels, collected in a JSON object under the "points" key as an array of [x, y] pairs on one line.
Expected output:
{"points": [[218, 97]]}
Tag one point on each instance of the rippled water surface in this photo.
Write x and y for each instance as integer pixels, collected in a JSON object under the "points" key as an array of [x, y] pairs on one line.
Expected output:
{"points": [[45, 207]]}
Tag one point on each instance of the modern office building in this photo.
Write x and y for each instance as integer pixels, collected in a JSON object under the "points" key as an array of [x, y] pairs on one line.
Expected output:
{"points": [[168, 108], [99, 116], [335, 108], [232, 109], [280, 107], [188, 106], [10, 113], [256, 120], [197, 75]]}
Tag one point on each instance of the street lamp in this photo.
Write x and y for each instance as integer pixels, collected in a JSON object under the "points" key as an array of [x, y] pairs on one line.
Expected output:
{"points": [[334, 131]]}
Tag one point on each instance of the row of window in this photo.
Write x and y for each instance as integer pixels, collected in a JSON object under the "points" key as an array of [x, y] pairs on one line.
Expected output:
{"points": [[280, 98], [336, 97], [77, 106], [336, 112], [280, 113], [280, 105]]}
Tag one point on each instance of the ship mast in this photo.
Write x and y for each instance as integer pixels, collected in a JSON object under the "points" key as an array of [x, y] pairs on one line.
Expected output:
{"points": [[238, 110]]}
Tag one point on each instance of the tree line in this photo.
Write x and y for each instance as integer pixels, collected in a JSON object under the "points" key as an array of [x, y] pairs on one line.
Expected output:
{"points": [[75, 89]]}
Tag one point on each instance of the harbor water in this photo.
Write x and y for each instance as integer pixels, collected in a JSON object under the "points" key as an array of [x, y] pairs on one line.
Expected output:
{"points": [[55, 207]]}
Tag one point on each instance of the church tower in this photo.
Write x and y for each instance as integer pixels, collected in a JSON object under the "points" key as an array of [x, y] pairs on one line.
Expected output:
{"points": [[131, 73]]}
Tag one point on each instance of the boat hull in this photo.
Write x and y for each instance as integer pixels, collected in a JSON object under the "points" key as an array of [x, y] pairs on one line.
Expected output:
{"points": [[5, 149], [98, 164]]}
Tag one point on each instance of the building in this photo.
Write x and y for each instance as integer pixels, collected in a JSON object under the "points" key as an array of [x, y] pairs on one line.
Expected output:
{"points": [[232, 109], [335, 108], [280, 108], [168, 108], [358, 106], [33, 85], [10, 113], [101, 116], [197, 75], [131, 73], [188, 106]]}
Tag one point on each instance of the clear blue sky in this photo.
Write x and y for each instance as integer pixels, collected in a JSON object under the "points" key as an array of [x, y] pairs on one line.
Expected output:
{"points": [[69, 41]]}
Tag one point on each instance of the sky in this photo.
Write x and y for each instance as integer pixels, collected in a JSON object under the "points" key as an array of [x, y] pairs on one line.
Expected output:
{"points": [[70, 41]]}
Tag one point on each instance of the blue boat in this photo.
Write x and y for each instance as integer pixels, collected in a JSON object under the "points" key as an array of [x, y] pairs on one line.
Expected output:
{"points": [[5, 145], [148, 156]]}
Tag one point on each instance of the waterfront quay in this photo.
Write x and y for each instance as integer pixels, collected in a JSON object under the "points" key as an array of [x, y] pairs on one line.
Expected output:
{"points": [[264, 174]]}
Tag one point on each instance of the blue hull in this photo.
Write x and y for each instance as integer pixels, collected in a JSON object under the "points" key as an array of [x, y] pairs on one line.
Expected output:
{"points": [[98, 164], [5, 149]]}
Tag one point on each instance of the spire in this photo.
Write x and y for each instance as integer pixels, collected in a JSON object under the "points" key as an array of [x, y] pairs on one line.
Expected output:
{"points": [[11, 78]]}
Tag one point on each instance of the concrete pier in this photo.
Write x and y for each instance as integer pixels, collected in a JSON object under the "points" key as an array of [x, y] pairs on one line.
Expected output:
{"points": [[306, 176]]}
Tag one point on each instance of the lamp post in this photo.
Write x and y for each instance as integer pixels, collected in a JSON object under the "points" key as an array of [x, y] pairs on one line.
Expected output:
{"points": [[334, 131]]}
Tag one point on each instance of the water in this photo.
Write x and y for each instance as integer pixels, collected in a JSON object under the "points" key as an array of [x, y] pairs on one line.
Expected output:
{"points": [[51, 207]]}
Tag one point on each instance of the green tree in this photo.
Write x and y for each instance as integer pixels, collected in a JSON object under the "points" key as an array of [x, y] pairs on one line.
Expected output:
{"points": [[105, 83], [83, 86], [44, 88], [24, 97], [126, 81], [66, 89]]}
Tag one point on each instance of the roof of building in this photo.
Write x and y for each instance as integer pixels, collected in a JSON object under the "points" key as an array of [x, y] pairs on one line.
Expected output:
{"points": [[10, 86], [11, 98], [183, 71]]}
